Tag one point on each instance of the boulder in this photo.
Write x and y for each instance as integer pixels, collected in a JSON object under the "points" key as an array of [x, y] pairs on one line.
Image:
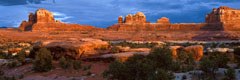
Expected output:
{"points": [[14, 50], [196, 50], [174, 50], [123, 49], [221, 50], [74, 49]]}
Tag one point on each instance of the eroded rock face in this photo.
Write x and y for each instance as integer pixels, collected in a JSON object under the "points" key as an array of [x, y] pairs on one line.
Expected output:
{"points": [[120, 19], [220, 19], [196, 50], [74, 48], [223, 14], [163, 20], [139, 17], [174, 50], [225, 17], [43, 15], [43, 20]]}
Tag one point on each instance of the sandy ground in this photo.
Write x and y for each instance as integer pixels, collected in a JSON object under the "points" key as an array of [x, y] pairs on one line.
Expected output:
{"points": [[58, 73], [15, 35]]}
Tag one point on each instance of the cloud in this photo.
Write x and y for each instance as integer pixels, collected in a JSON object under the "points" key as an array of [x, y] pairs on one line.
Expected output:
{"points": [[19, 2], [60, 16]]}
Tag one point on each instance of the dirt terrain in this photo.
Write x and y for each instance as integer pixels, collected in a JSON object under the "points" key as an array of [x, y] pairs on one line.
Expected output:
{"points": [[58, 73], [9, 35]]}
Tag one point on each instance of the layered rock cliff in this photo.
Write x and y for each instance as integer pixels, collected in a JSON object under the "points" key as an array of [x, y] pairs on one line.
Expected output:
{"points": [[43, 20], [220, 19], [227, 17]]}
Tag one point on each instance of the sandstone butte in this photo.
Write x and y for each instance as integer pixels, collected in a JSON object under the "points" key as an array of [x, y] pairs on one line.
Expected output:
{"points": [[220, 19], [43, 20]]}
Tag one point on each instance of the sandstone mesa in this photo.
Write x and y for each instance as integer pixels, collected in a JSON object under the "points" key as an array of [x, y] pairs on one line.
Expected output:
{"points": [[220, 19], [43, 20]]}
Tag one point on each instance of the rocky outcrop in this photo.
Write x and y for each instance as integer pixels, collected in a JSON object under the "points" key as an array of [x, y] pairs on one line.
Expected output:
{"points": [[226, 17], [163, 20], [139, 17], [137, 22], [74, 48], [174, 50], [223, 14], [42, 15], [43, 20], [220, 19], [196, 50], [120, 19]]}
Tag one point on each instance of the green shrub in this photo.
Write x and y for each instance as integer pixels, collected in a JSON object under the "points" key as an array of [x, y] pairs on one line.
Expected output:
{"points": [[77, 64], [89, 73], [156, 66], [237, 51], [209, 65], [43, 60], [136, 45], [21, 56], [185, 61], [88, 67], [230, 74], [161, 57], [114, 49], [21, 76], [12, 64], [64, 63]]}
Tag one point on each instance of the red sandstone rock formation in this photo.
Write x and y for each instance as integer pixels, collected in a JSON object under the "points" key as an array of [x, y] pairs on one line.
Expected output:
{"points": [[174, 50], [139, 17], [223, 14], [120, 19], [220, 19], [42, 15], [138, 22], [225, 17], [163, 20], [196, 50], [43, 20], [74, 48]]}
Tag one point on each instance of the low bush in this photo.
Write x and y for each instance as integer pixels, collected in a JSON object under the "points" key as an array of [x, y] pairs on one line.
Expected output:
{"points": [[43, 60], [77, 64], [136, 45], [64, 63], [237, 51], [21, 56], [139, 67], [115, 49]]}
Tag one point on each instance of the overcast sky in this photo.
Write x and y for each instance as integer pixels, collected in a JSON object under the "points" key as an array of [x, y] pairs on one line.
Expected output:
{"points": [[103, 13]]}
